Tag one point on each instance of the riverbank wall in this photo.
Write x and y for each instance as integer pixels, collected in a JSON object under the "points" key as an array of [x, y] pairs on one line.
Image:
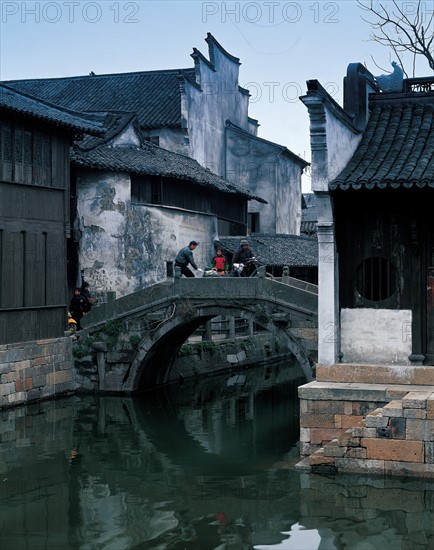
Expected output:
{"points": [[45, 369], [368, 419], [35, 370]]}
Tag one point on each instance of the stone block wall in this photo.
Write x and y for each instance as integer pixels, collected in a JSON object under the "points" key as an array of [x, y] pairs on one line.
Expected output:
{"points": [[394, 439], [322, 420], [35, 370]]}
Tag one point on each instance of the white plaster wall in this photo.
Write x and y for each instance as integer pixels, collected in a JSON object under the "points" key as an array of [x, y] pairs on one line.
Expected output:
{"points": [[125, 247], [329, 158], [207, 110], [288, 200], [341, 144], [127, 137], [376, 336], [172, 139], [261, 168]]}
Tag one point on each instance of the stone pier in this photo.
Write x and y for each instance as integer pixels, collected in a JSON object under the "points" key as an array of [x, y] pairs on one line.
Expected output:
{"points": [[371, 419]]}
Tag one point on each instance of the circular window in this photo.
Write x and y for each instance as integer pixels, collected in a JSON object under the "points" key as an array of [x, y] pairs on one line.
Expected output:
{"points": [[376, 279]]}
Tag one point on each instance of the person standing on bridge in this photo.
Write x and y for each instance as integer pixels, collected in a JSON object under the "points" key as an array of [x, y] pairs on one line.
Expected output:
{"points": [[185, 257], [219, 262]]}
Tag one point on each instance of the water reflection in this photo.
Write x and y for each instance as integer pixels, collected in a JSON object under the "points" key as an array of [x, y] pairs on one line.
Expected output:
{"points": [[201, 466]]}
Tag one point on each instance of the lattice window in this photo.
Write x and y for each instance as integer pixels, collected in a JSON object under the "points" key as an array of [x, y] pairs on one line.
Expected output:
{"points": [[376, 279]]}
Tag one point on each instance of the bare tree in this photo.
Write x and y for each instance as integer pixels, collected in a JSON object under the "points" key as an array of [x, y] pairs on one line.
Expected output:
{"points": [[405, 28]]}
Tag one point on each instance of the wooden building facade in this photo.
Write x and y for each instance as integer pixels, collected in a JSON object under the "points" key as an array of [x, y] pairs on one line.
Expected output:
{"points": [[384, 229], [35, 138]]}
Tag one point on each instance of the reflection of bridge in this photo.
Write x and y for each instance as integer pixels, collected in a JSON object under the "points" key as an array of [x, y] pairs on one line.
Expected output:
{"points": [[164, 315]]}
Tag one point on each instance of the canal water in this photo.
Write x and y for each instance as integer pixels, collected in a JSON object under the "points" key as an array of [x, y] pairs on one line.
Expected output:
{"points": [[198, 466]]}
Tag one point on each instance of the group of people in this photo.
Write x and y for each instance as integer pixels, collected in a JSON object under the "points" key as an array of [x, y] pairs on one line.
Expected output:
{"points": [[81, 303], [82, 300], [244, 255]]}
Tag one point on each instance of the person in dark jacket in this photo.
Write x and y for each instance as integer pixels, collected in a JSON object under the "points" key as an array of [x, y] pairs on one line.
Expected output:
{"points": [[77, 306], [89, 300], [245, 255], [185, 257]]}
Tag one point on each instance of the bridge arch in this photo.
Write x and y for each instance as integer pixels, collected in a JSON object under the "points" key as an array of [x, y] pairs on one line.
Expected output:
{"points": [[157, 350], [165, 315]]}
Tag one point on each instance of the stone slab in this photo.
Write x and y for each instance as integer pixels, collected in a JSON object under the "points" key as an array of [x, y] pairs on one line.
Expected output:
{"points": [[378, 374], [394, 450], [416, 399], [340, 391]]}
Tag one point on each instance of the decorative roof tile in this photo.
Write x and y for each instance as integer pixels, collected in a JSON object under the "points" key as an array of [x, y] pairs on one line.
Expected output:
{"points": [[396, 150], [278, 250], [152, 160], [16, 102]]}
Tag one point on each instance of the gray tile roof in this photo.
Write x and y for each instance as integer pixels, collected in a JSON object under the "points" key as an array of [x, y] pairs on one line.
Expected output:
{"points": [[152, 160], [23, 104], [396, 150], [154, 95], [278, 250]]}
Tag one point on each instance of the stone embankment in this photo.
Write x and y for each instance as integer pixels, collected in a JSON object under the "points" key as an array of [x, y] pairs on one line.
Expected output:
{"points": [[35, 370], [382, 428]]}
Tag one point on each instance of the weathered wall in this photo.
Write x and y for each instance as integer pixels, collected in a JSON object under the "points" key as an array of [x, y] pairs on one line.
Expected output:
{"points": [[376, 335], [125, 247], [35, 370], [260, 167]]}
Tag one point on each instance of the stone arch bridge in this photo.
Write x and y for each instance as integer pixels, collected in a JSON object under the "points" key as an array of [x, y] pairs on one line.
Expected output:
{"points": [[153, 323]]}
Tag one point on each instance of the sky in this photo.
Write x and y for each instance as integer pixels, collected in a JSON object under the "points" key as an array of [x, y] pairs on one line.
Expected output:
{"points": [[280, 45]]}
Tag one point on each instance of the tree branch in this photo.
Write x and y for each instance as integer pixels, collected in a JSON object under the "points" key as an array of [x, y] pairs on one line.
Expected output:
{"points": [[395, 29]]}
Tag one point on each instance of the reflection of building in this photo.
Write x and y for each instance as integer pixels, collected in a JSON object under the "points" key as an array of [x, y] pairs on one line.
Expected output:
{"points": [[133, 460]]}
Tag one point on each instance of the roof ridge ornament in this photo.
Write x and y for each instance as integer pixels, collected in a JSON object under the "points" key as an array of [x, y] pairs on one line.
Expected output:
{"points": [[392, 82]]}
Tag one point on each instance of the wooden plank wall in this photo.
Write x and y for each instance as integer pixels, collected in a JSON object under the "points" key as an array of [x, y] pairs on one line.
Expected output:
{"points": [[34, 213]]}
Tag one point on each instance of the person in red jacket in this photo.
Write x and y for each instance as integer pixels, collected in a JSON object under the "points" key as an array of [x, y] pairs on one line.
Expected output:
{"points": [[219, 262]]}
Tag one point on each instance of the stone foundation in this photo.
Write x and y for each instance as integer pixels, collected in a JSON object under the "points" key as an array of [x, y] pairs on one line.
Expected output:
{"points": [[375, 420], [30, 371]]}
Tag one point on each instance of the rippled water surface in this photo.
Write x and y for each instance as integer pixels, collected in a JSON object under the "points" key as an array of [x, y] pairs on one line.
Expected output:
{"points": [[199, 466]]}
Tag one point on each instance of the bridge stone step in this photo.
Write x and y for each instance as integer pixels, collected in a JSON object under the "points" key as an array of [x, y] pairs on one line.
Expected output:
{"points": [[376, 374]]}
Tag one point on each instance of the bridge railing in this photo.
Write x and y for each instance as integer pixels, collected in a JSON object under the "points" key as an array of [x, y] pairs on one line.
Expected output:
{"points": [[293, 293], [257, 288]]}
